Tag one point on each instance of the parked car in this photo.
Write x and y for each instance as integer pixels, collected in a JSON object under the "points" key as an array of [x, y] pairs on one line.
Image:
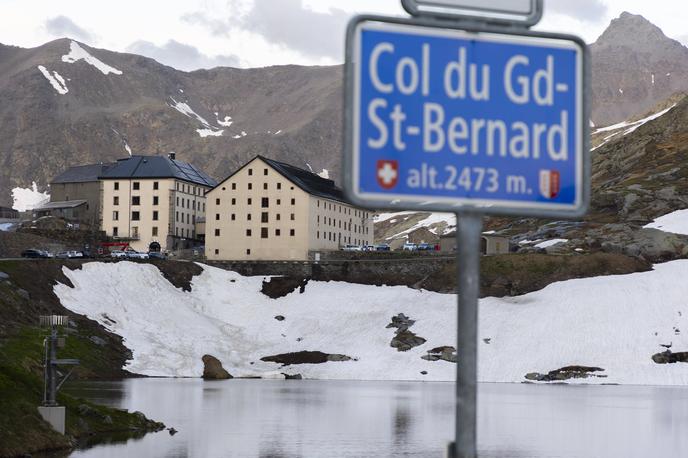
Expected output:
{"points": [[156, 255], [132, 254], [368, 248], [425, 247], [351, 248], [70, 254], [383, 247], [31, 253], [118, 254], [410, 246]]}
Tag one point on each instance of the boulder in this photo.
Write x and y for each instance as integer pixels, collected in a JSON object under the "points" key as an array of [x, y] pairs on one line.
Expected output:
{"points": [[213, 370]]}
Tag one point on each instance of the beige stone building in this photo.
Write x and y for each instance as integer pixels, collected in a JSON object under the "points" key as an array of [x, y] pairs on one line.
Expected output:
{"points": [[153, 202], [269, 210]]}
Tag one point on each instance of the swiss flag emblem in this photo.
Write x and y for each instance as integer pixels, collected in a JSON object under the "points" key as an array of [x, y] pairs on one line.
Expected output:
{"points": [[549, 183], [387, 173]]}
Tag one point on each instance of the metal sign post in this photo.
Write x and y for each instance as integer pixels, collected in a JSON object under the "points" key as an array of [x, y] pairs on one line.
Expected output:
{"points": [[471, 114]]}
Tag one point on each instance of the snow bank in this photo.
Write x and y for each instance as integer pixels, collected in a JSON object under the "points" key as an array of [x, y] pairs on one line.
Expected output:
{"points": [[209, 133], [551, 242], [28, 198], [227, 121], [6, 227], [186, 110], [77, 53], [324, 173], [675, 222], [56, 80], [613, 322]]}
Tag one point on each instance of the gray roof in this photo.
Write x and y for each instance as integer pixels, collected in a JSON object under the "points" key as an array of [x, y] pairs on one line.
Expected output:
{"points": [[61, 204], [82, 173], [158, 167], [308, 181]]}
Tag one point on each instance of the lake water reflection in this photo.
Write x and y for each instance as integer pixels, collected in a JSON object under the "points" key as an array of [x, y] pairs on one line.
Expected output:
{"points": [[307, 418]]}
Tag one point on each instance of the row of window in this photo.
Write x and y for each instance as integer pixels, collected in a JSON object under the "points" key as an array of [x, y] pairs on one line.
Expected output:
{"points": [[333, 222], [263, 217], [263, 232], [190, 219], [190, 189], [135, 200], [337, 237], [135, 216], [343, 209], [264, 201], [135, 231], [188, 203], [136, 185]]}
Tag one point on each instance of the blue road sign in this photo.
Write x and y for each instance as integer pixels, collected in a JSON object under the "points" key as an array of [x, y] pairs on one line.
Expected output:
{"points": [[446, 119]]}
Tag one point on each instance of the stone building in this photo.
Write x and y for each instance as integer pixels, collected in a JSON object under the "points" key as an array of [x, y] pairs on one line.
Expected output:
{"points": [[270, 210], [153, 202], [489, 243], [76, 184]]}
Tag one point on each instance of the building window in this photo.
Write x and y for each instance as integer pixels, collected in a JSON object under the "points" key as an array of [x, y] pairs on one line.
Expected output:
{"points": [[248, 217], [279, 201], [293, 201], [317, 235], [233, 201], [265, 172], [277, 217], [135, 216], [248, 251], [248, 232], [137, 185], [248, 201], [114, 231], [263, 232], [264, 202], [250, 172], [217, 251], [155, 215], [217, 201], [233, 186], [155, 200], [233, 217], [203, 207], [318, 204], [217, 217], [264, 217], [279, 185], [155, 185], [292, 217], [136, 200], [193, 205], [135, 232], [318, 219], [217, 232], [115, 216], [115, 200], [277, 232], [265, 186], [177, 216], [155, 231], [250, 186], [177, 201], [292, 232], [116, 185]]}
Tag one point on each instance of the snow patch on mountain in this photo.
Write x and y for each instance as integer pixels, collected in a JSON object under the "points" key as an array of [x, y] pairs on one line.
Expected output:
{"points": [[56, 81], [209, 132], [431, 222], [675, 222], [550, 243], [24, 199], [613, 322], [77, 53], [324, 174], [226, 122]]}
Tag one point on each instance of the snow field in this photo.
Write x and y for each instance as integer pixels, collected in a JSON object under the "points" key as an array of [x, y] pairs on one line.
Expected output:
{"points": [[675, 222], [613, 322], [28, 198]]}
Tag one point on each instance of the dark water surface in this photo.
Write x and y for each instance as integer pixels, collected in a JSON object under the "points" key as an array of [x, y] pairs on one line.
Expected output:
{"points": [[305, 418]]}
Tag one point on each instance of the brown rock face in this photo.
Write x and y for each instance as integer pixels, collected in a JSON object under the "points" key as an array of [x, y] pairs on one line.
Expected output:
{"points": [[213, 370]]}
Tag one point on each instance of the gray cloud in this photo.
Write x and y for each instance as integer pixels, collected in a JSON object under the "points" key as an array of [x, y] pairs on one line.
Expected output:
{"points": [[583, 10], [287, 23], [181, 56], [62, 26]]}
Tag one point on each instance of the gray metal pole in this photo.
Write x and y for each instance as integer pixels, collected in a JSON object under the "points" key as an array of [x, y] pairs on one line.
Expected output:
{"points": [[52, 368], [468, 248]]}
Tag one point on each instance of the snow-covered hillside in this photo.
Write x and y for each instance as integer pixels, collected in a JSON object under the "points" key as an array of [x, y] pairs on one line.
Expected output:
{"points": [[614, 322]]}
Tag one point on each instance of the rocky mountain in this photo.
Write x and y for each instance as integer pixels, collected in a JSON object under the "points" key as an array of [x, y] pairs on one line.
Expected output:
{"points": [[634, 66], [65, 103]]}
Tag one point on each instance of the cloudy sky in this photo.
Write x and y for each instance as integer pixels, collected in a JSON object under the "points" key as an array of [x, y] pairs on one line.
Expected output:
{"points": [[191, 34]]}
